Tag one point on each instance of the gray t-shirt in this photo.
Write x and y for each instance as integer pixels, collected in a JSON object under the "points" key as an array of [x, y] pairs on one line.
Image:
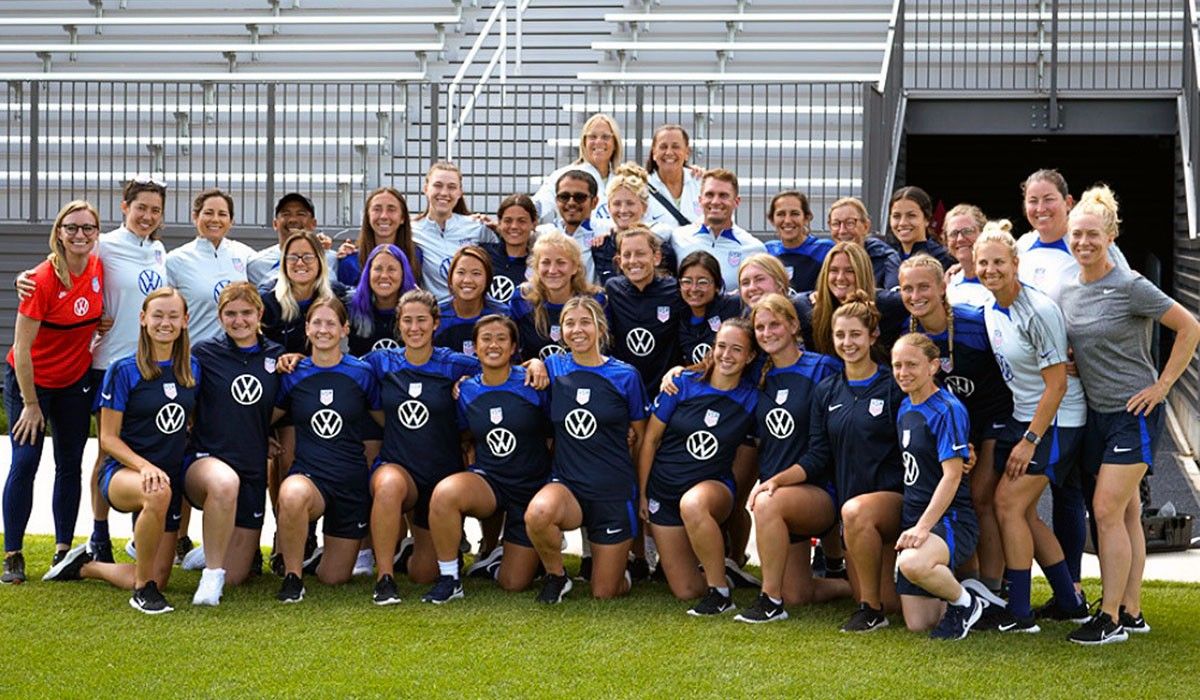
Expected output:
{"points": [[1108, 324]]}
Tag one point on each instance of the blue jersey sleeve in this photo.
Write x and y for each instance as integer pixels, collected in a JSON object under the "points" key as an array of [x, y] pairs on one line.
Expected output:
{"points": [[635, 393], [664, 405], [371, 387], [952, 430], [117, 383]]}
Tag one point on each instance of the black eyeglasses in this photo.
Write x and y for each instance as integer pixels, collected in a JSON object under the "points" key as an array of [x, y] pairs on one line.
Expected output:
{"points": [[577, 197], [87, 229], [306, 258]]}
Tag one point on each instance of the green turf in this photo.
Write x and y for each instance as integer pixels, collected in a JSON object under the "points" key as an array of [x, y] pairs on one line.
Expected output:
{"points": [[83, 640]]}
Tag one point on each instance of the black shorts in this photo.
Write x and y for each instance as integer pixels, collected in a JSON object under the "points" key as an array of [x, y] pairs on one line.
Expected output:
{"points": [[960, 535], [987, 428], [609, 520], [513, 502], [174, 511], [347, 506], [251, 497], [664, 505], [1056, 456], [1121, 438]]}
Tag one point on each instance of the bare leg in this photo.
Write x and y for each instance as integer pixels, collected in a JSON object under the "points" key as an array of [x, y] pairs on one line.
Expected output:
{"points": [[703, 507], [551, 511], [215, 484]]}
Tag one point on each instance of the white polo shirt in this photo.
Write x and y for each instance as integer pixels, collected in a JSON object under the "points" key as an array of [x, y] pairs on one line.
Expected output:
{"points": [[133, 267], [730, 247], [438, 245], [199, 271], [1048, 265]]}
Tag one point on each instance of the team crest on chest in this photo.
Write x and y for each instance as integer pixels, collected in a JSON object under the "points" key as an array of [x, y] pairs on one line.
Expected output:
{"points": [[875, 408], [414, 389], [781, 396], [790, 271], [997, 337], [96, 284], [326, 397], [663, 314], [556, 333], [582, 396], [238, 264], [170, 390], [158, 257], [735, 258], [711, 418], [496, 415], [469, 347], [714, 323], [947, 364], [905, 437], [269, 364]]}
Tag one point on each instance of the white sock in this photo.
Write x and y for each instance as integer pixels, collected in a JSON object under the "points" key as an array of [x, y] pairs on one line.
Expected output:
{"points": [[963, 600], [448, 568], [213, 573], [776, 601], [723, 590]]}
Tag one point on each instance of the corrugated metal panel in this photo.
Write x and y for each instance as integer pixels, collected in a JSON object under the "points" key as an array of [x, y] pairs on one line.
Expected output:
{"points": [[1185, 398]]}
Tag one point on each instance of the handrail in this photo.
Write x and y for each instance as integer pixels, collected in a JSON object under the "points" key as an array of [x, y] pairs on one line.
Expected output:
{"points": [[1189, 118], [893, 26]]}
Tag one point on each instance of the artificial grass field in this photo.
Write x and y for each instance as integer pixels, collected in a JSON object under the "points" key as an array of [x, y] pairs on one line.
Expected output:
{"points": [[82, 639]]}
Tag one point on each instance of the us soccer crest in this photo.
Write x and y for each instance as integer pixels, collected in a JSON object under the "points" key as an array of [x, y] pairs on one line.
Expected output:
{"points": [[711, 417], [96, 284], [664, 313], [582, 396], [790, 271], [556, 333], [469, 347], [414, 390], [781, 396], [158, 257], [876, 407], [326, 397], [238, 264], [269, 364], [714, 323], [170, 390], [997, 337], [496, 415], [947, 364], [735, 258]]}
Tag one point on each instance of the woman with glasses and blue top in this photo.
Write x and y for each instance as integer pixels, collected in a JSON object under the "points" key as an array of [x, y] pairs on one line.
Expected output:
{"points": [[703, 290]]}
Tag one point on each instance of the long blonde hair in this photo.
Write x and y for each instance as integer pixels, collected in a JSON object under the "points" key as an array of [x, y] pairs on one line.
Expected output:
{"points": [[58, 252], [181, 349], [826, 303], [778, 305], [616, 132], [289, 307], [534, 291]]}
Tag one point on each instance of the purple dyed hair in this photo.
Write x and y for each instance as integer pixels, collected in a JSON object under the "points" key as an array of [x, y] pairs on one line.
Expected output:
{"points": [[362, 317]]}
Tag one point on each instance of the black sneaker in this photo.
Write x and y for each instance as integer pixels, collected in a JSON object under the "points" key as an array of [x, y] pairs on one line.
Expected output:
{"points": [[990, 620], [1137, 624], [256, 563], [836, 568], [14, 569], [865, 619], [1099, 630], [1009, 623], [713, 603], [292, 590], [959, 619], [585, 569], [101, 550], [312, 561], [739, 577], [554, 589], [445, 589], [400, 561], [277, 566], [638, 570], [818, 561], [763, 610], [659, 575], [182, 546], [1051, 610], [147, 599], [385, 591], [67, 569], [485, 567]]}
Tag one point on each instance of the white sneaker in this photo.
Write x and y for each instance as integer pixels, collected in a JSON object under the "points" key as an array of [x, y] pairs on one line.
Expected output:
{"points": [[131, 550], [212, 583], [194, 559], [364, 565]]}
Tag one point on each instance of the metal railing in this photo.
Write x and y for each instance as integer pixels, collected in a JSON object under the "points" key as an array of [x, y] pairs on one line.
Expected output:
{"points": [[1189, 117], [884, 120]]}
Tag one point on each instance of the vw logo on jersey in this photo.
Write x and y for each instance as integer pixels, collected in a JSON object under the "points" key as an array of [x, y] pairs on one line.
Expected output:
{"points": [[702, 445], [218, 288], [81, 306], [246, 389], [780, 423], [501, 288], [961, 386], [911, 470], [549, 350], [640, 341], [169, 419], [444, 268], [580, 424], [326, 423], [1005, 369], [385, 344], [501, 442], [149, 281], [700, 352], [412, 414]]}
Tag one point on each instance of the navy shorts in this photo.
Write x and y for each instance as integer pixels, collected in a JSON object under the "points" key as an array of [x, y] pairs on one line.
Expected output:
{"points": [[1056, 456], [174, 511], [1121, 438], [251, 497], [607, 521], [960, 535], [513, 502], [347, 506], [664, 505], [987, 428]]}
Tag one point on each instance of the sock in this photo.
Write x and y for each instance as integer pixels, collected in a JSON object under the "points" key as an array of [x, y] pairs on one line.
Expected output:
{"points": [[448, 568], [1059, 576], [723, 590], [775, 601], [993, 584], [963, 599], [100, 530], [1018, 592]]}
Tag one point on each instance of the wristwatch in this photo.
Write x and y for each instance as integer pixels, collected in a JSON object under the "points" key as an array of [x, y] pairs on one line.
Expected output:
{"points": [[1032, 437]]}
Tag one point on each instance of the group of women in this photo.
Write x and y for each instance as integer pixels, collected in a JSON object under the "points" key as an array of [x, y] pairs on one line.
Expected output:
{"points": [[906, 404]]}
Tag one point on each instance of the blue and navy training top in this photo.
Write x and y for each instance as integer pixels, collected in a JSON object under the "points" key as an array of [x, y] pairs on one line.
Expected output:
{"points": [[591, 408], [783, 410], [704, 428], [929, 247], [155, 411], [455, 332], [330, 407], [932, 432], [893, 321], [644, 325], [852, 435], [290, 334], [510, 424], [234, 405], [803, 263], [971, 372], [380, 336], [535, 345], [696, 333], [420, 420], [509, 272]]}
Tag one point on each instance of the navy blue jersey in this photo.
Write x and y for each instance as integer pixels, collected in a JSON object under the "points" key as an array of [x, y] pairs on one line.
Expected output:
{"points": [[290, 334], [704, 428], [381, 336], [971, 371], [591, 408], [885, 262], [932, 432], [931, 248], [508, 272], [535, 344], [803, 263], [510, 424], [783, 410], [644, 325], [234, 405], [420, 422], [604, 259], [455, 331], [852, 435], [893, 321], [696, 333], [155, 411], [330, 407]]}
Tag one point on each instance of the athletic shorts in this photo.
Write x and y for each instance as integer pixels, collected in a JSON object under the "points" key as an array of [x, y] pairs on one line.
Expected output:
{"points": [[513, 502], [664, 504], [174, 511], [987, 428], [1121, 438], [607, 521], [1056, 456], [960, 535], [251, 497], [347, 506]]}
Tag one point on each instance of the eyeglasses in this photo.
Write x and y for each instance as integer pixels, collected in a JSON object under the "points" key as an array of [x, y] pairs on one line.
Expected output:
{"points": [[598, 137], [87, 229], [963, 232], [577, 197], [307, 259], [698, 283], [843, 223]]}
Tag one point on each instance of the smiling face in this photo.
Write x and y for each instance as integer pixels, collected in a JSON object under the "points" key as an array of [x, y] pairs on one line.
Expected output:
{"points": [[385, 214], [754, 283], [144, 214], [718, 200], [515, 226], [842, 280], [599, 143], [575, 201], [921, 290], [85, 229], [670, 151], [638, 259], [443, 189], [580, 332], [1088, 240], [774, 333], [996, 266], [294, 216], [851, 339], [300, 263], [732, 351], [241, 321], [416, 325], [790, 222], [697, 287], [1047, 209], [909, 224], [494, 345], [214, 219], [468, 279], [386, 276], [555, 269], [961, 232], [324, 329], [912, 370], [625, 207], [846, 223], [164, 319]]}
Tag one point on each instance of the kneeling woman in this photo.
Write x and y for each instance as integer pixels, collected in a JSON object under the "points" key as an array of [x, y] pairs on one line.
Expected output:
{"points": [[510, 426], [595, 401], [940, 530], [328, 397], [687, 483], [145, 405]]}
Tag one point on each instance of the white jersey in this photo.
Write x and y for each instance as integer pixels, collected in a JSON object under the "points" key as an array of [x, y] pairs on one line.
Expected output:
{"points": [[1048, 265], [263, 266], [584, 237], [730, 248], [133, 267], [200, 272], [688, 203], [1026, 338], [662, 230], [438, 245], [968, 290], [547, 206]]}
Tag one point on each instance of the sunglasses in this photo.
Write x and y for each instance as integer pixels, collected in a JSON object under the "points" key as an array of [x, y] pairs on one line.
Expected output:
{"points": [[577, 197]]}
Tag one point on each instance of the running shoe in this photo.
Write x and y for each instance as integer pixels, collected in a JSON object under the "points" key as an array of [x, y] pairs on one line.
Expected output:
{"points": [[385, 591], [554, 589], [1099, 630], [1137, 624], [485, 567], [638, 570], [400, 562], [68, 568], [182, 546], [364, 564], [763, 610], [101, 550], [193, 560], [445, 589], [1051, 610], [14, 569], [292, 590], [713, 603], [1009, 623], [147, 599], [739, 577], [958, 620], [312, 561], [865, 619]]}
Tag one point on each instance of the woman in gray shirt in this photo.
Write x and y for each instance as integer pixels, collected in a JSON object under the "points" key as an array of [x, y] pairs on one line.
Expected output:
{"points": [[1110, 312]]}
